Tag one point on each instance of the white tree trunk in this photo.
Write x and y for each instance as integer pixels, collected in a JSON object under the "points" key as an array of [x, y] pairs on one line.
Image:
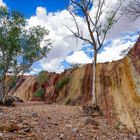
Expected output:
{"points": [[94, 91], [1, 93]]}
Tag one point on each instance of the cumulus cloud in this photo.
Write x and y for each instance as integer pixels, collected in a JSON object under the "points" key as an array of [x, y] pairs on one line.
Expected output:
{"points": [[2, 3], [41, 12], [53, 66], [63, 44], [125, 24], [114, 50], [78, 57]]}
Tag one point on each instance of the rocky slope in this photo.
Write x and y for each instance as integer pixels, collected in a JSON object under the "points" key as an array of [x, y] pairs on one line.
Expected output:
{"points": [[118, 86]]}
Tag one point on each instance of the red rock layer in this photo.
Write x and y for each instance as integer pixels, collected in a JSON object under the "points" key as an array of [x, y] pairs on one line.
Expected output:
{"points": [[118, 87]]}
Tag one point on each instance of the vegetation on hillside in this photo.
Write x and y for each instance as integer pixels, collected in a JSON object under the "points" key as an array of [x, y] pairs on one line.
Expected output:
{"points": [[39, 92], [42, 78], [61, 83]]}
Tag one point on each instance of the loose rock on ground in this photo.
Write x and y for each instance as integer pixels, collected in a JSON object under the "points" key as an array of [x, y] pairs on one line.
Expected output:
{"points": [[56, 122]]}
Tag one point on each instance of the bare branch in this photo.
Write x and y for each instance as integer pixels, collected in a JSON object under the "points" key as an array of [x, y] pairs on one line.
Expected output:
{"points": [[75, 21], [111, 22], [95, 29], [77, 4], [78, 36], [133, 9]]}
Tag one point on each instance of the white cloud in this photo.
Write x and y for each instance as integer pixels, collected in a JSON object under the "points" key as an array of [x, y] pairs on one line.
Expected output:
{"points": [[114, 50], [64, 45], [41, 12], [53, 66], [78, 57], [34, 71], [125, 24], [2, 3]]}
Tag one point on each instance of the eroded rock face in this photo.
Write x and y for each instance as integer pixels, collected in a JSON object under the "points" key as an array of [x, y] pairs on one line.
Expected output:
{"points": [[25, 90], [118, 86]]}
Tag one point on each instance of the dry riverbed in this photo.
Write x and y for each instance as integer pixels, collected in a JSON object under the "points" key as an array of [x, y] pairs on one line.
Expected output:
{"points": [[56, 122]]}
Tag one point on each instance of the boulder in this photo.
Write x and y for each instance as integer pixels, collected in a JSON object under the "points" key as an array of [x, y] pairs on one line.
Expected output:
{"points": [[11, 99]]}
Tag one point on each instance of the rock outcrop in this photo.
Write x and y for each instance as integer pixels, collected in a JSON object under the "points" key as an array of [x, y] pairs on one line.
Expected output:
{"points": [[25, 90], [118, 87]]}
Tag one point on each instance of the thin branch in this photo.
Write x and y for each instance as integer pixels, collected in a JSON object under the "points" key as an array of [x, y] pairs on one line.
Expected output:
{"points": [[78, 36], [77, 4], [112, 21], [75, 21], [133, 10]]}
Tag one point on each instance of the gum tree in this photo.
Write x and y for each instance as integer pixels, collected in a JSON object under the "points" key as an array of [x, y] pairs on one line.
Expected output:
{"points": [[98, 26], [19, 47]]}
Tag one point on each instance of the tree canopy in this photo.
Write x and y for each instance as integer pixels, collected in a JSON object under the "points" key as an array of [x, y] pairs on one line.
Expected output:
{"points": [[20, 46]]}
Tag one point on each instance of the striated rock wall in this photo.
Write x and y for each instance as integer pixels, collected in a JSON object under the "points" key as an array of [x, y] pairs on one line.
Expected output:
{"points": [[25, 90], [118, 86]]}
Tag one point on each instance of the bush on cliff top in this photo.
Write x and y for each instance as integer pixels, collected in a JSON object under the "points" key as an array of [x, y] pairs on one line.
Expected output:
{"points": [[42, 77]]}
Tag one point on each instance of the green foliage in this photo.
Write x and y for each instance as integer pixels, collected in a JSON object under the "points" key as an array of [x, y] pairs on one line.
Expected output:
{"points": [[60, 84], [19, 46], [11, 83], [42, 77], [76, 66], [40, 92], [67, 101]]}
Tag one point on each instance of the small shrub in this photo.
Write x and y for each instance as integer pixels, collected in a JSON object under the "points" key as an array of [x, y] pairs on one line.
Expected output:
{"points": [[67, 101], [76, 66], [61, 83], [39, 92], [42, 77]]}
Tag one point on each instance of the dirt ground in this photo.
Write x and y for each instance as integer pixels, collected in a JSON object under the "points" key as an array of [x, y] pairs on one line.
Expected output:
{"points": [[33, 121]]}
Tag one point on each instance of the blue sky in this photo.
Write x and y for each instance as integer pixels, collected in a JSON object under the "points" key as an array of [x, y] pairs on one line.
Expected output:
{"points": [[53, 15], [28, 7]]}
